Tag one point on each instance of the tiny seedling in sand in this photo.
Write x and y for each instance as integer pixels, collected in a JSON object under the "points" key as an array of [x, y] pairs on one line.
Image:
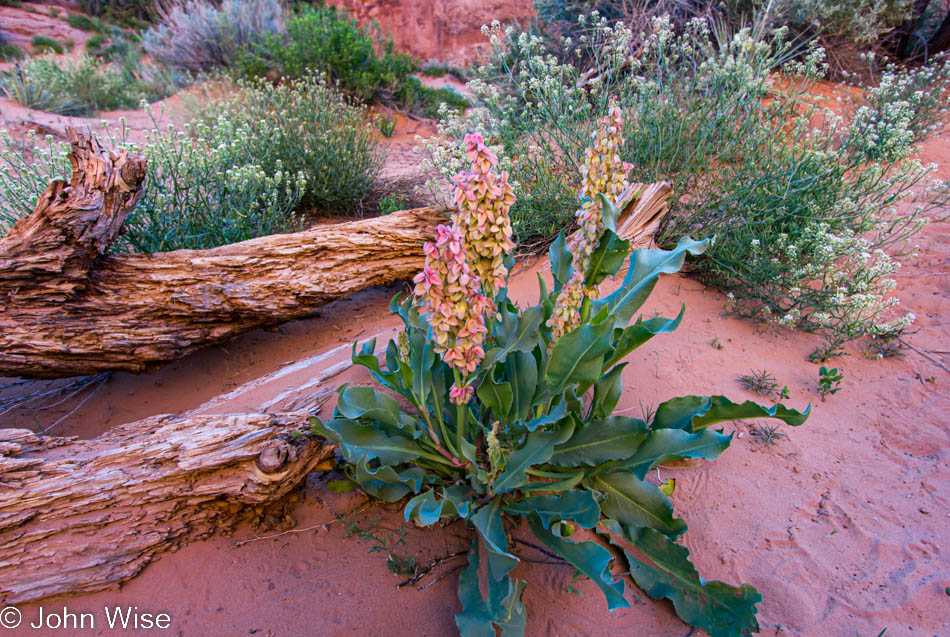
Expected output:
{"points": [[767, 433], [829, 381], [715, 343], [761, 382]]}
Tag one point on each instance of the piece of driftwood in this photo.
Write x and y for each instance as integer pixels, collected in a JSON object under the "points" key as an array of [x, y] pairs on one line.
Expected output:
{"points": [[67, 308], [84, 515]]}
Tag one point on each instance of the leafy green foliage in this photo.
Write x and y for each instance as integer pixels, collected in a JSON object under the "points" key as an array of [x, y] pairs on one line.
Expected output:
{"points": [[540, 441], [304, 126], [359, 60], [22, 88], [248, 166], [805, 202], [46, 44], [829, 381], [84, 85]]}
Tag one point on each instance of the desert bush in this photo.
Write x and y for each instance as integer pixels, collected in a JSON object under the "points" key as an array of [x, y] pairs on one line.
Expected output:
{"points": [[753, 158], [83, 86], [304, 125], [22, 88], [9, 51], [195, 35], [205, 189], [45, 44], [202, 189], [249, 165], [504, 413], [26, 168], [845, 29], [359, 60], [85, 23]]}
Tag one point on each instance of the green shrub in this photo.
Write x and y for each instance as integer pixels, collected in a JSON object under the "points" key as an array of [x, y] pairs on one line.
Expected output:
{"points": [[10, 51], [132, 13], [95, 43], [244, 169], [87, 86], [85, 23], [795, 210], [205, 189], [24, 89], [45, 44], [195, 35], [358, 60], [899, 27], [305, 126], [490, 411], [26, 168]]}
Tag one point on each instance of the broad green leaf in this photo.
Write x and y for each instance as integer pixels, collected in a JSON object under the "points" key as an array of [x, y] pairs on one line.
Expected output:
{"points": [[610, 211], [356, 402], [554, 415], [522, 371], [515, 333], [503, 607], [667, 445], [495, 396], [693, 413], [570, 506], [614, 438], [646, 266], [561, 262], [569, 482], [386, 483], [365, 442], [633, 336], [513, 617], [319, 428], [636, 502], [423, 358], [488, 522], [367, 358], [662, 569], [340, 486], [606, 259], [475, 620], [607, 392], [428, 509], [537, 449], [578, 356], [589, 558]]}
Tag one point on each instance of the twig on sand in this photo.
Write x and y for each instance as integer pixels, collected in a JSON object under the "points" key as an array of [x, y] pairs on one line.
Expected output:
{"points": [[102, 382], [422, 572], [927, 356], [315, 527]]}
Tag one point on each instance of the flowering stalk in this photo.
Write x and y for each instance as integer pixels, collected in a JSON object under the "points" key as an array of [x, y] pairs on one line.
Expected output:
{"points": [[604, 173], [483, 198]]}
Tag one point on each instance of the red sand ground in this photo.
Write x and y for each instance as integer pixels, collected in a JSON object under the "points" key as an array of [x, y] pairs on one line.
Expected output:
{"points": [[844, 526]]}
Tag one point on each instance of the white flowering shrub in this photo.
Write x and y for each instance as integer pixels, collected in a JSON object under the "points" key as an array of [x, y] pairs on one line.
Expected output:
{"points": [[751, 155], [27, 165], [303, 125], [244, 169]]}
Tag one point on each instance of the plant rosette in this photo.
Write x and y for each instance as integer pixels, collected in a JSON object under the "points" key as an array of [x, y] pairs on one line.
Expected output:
{"points": [[498, 415]]}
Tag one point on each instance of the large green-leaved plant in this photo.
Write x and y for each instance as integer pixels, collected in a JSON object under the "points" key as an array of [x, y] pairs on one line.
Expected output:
{"points": [[539, 438]]}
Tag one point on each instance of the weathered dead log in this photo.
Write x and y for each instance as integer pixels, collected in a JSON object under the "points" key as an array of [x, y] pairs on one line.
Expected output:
{"points": [[68, 309], [84, 515]]}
